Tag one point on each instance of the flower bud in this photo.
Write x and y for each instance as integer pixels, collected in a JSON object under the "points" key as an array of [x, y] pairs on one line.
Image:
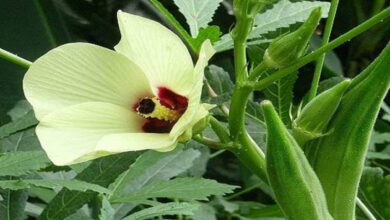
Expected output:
{"points": [[313, 121], [286, 49]]}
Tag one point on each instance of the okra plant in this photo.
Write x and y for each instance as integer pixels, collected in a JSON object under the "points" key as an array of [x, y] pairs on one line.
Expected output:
{"points": [[179, 118]]}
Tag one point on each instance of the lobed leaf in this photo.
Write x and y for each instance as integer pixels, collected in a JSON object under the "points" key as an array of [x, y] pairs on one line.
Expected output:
{"points": [[280, 93], [21, 123], [172, 208], [102, 171], [282, 14], [12, 204], [19, 163], [106, 211], [50, 183], [187, 188], [198, 13], [150, 167]]}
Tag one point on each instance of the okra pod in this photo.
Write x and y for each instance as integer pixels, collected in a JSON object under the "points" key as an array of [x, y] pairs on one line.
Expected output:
{"points": [[338, 158], [296, 187], [313, 120]]}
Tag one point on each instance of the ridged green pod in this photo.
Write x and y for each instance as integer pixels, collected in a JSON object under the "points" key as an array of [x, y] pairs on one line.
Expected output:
{"points": [[313, 120], [338, 158], [286, 49], [296, 187]]}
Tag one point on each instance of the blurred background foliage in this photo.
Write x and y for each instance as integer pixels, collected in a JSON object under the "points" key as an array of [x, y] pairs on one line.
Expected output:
{"points": [[30, 28]]}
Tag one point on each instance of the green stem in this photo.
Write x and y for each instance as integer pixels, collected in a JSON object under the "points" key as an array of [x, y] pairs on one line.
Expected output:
{"points": [[250, 154], [246, 149], [315, 54], [240, 34], [237, 111], [256, 73], [211, 143], [217, 153], [325, 40], [364, 208], [14, 59]]}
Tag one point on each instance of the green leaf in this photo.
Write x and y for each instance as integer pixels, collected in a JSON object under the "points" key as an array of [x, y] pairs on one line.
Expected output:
{"points": [[25, 140], [204, 211], [218, 80], [21, 123], [106, 210], [374, 190], [13, 204], [186, 36], [33, 210], [69, 184], [19, 110], [172, 208], [386, 110], [254, 210], [283, 14], [150, 167], [280, 93], [102, 171], [378, 155], [212, 33], [253, 110], [199, 165], [19, 163], [198, 13], [187, 188]]}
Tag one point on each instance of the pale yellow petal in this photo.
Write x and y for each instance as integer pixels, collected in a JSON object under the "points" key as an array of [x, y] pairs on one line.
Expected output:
{"points": [[71, 135], [158, 51], [188, 119], [80, 72], [115, 143]]}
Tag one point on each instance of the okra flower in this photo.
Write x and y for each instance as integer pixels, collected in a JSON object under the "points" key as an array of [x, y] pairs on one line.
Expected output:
{"points": [[91, 101]]}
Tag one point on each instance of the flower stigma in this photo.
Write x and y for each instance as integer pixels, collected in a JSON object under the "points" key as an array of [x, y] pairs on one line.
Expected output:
{"points": [[161, 113]]}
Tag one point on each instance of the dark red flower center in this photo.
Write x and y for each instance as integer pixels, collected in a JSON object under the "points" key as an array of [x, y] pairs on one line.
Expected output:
{"points": [[162, 112]]}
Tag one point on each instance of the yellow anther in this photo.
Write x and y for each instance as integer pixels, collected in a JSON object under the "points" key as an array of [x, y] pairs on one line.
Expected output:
{"points": [[158, 111]]}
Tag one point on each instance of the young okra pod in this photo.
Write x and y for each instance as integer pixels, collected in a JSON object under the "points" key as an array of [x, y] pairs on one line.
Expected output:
{"points": [[338, 158], [286, 49], [295, 184], [313, 120]]}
